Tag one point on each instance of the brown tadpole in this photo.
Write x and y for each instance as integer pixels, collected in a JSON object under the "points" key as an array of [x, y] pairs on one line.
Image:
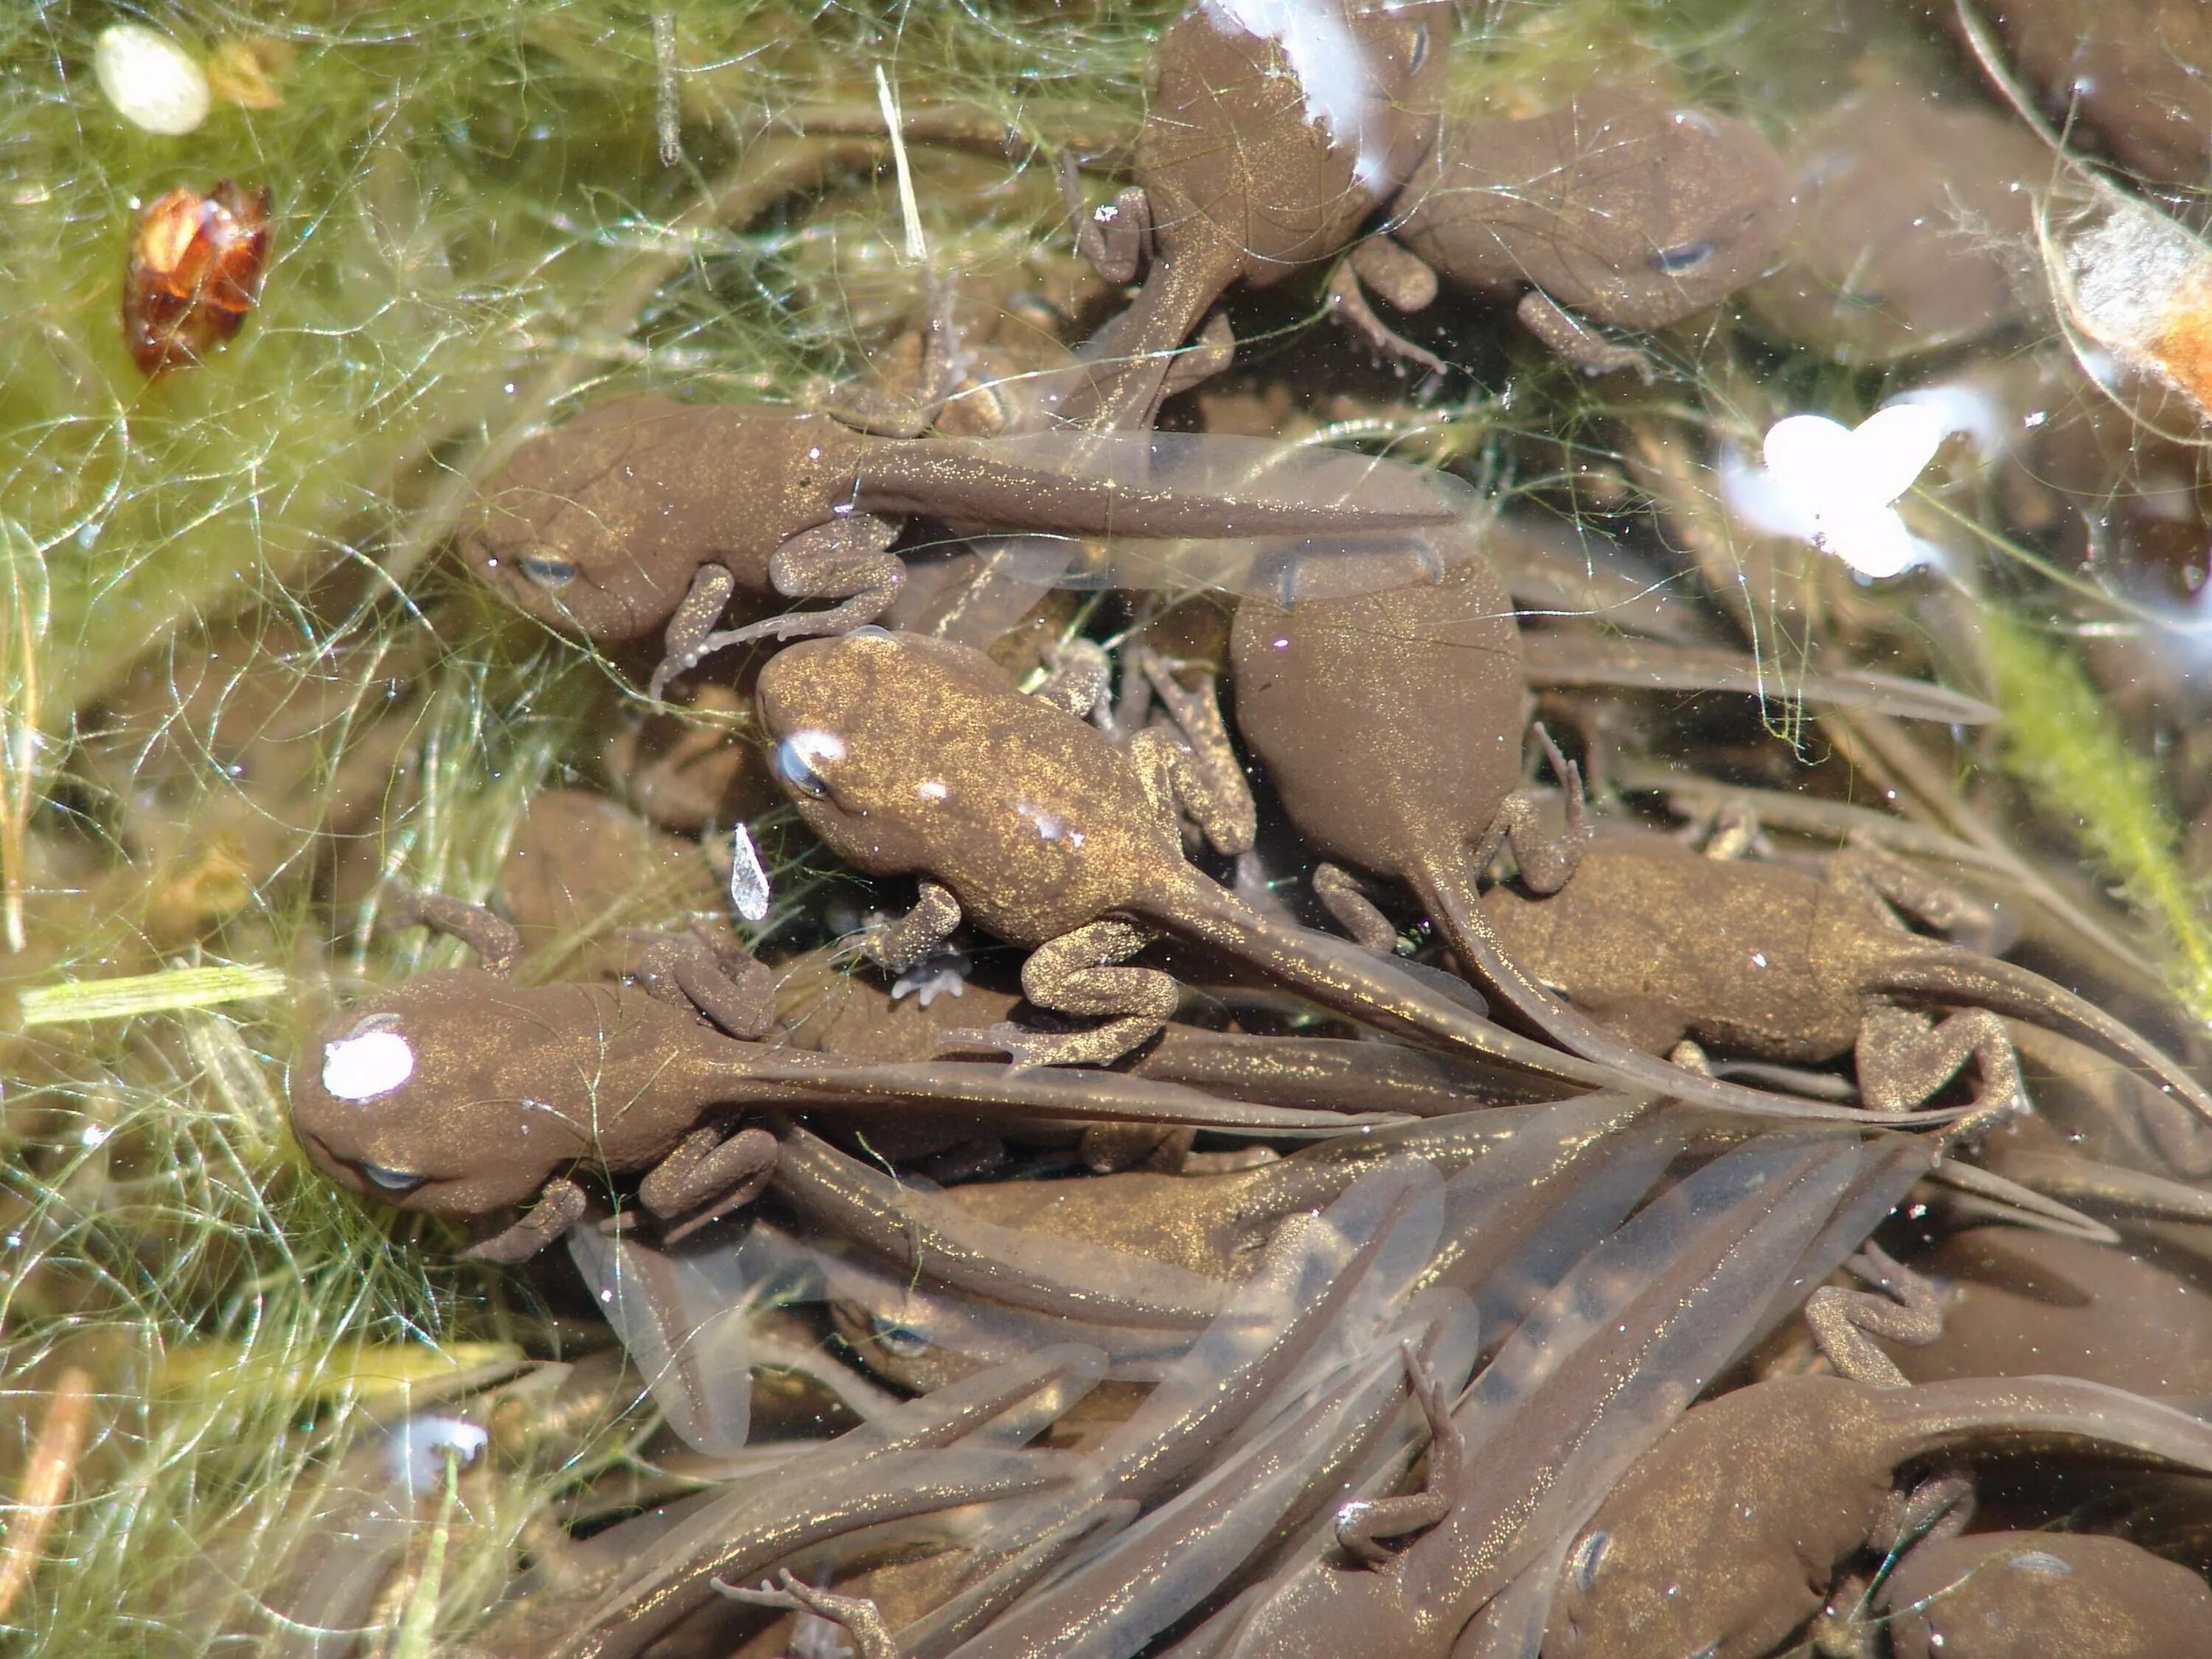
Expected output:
{"points": [[1659, 943], [2042, 1596], [912, 756], [643, 514], [1261, 154], [1616, 208], [1391, 726], [1723, 1537], [461, 1094]]}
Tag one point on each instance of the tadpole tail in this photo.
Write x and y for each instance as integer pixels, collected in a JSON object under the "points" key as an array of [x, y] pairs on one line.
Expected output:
{"points": [[1151, 486], [1338, 975], [1962, 976], [1129, 361], [1448, 898], [2052, 1413]]}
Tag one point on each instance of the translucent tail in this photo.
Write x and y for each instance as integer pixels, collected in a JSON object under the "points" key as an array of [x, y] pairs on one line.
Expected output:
{"points": [[1954, 976]]}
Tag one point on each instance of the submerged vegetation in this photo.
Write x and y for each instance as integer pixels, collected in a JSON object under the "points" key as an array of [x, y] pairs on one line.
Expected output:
{"points": [[244, 689]]}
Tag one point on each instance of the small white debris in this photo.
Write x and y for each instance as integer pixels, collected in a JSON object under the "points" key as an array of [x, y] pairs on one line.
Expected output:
{"points": [[1969, 406], [365, 1064], [153, 82], [748, 891], [415, 1457], [1835, 487], [945, 975]]}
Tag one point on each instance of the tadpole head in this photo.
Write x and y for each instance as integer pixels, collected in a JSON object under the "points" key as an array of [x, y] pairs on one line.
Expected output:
{"points": [[415, 1101], [583, 529], [834, 712]]}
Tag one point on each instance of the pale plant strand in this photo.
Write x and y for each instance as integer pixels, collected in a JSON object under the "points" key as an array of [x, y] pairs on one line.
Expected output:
{"points": [[28, 613]]}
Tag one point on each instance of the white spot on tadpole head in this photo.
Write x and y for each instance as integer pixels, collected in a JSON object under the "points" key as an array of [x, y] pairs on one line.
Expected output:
{"points": [[1331, 69], [153, 82], [749, 889], [931, 790], [365, 1064]]}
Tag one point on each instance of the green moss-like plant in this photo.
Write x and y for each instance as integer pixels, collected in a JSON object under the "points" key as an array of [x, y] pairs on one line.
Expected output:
{"points": [[2065, 744]]}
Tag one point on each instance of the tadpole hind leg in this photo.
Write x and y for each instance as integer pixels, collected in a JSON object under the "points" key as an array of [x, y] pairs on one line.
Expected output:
{"points": [[1080, 674], [1902, 1060], [1353, 911], [561, 1204], [845, 560], [1078, 974], [1209, 354], [1576, 341], [735, 991], [1965, 920], [856, 1615], [900, 945], [707, 1170], [687, 639], [1545, 862], [1844, 1322], [1395, 274], [1359, 1526], [493, 938], [1206, 779], [1117, 239]]}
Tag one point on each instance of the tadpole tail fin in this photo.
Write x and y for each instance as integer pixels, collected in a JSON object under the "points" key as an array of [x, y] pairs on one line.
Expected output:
{"points": [[2056, 1413], [1447, 898], [1954, 975]]}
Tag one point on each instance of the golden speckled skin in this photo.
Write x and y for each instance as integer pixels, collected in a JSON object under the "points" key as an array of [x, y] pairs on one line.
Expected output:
{"points": [[637, 493], [1725, 1536], [1242, 182], [2020, 1302], [1598, 203], [2044, 1595], [1035, 822], [1437, 665], [1658, 942], [1236, 169], [509, 1087]]}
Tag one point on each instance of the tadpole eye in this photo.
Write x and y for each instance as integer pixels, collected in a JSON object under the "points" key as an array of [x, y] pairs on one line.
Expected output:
{"points": [[547, 573], [393, 1180], [795, 758], [1687, 257], [1419, 54], [902, 1341], [1583, 1564]]}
